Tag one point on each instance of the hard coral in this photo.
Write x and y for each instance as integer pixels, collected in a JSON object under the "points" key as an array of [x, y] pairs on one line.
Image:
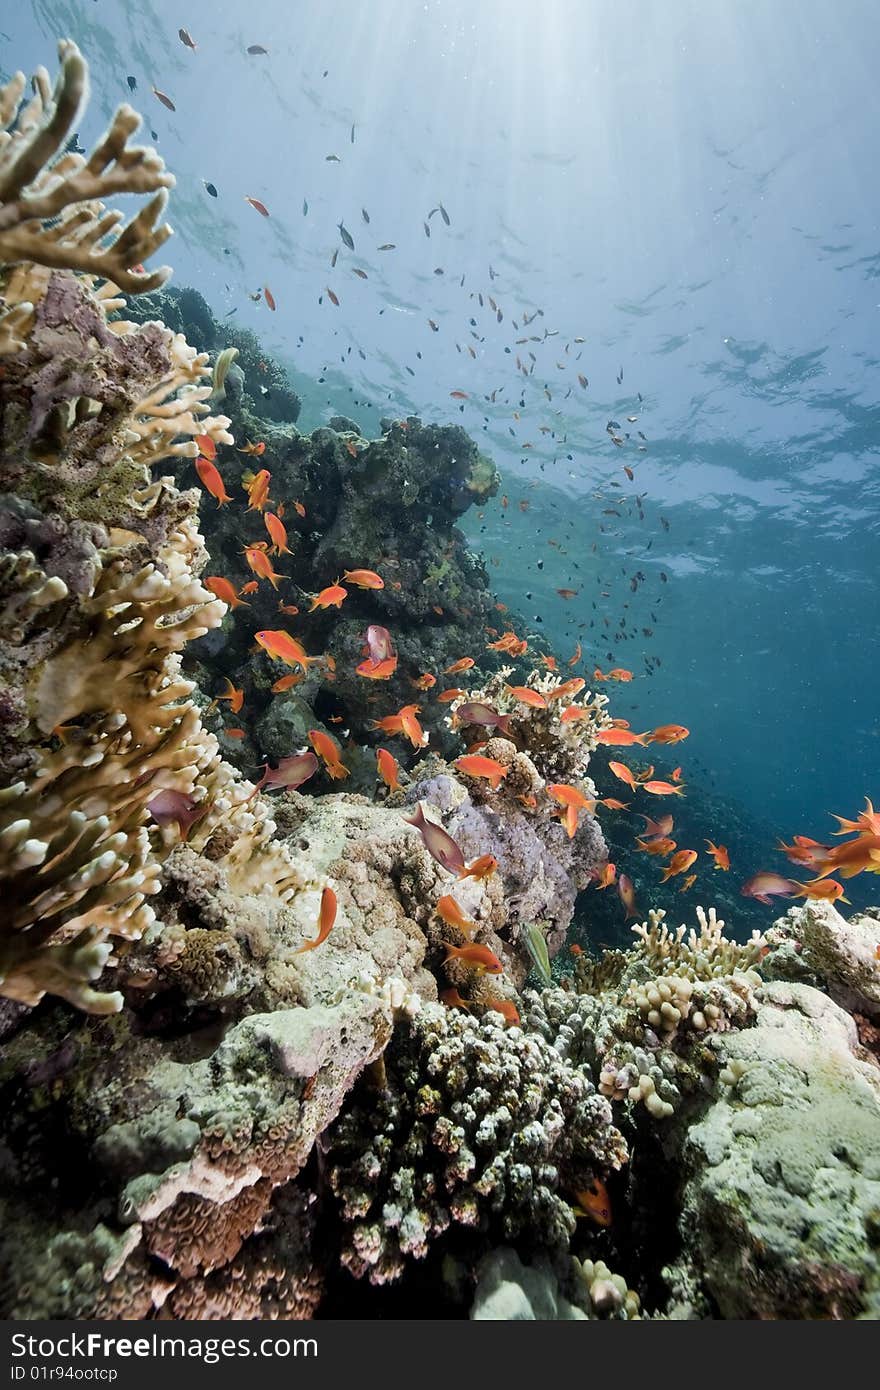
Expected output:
{"points": [[476, 1127], [99, 588]]}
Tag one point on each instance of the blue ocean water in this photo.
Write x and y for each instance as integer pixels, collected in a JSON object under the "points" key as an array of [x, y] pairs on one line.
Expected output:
{"points": [[688, 189]]}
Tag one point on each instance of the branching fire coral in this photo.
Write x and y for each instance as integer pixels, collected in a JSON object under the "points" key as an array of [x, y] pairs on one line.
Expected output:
{"points": [[50, 213], [98, 572]]}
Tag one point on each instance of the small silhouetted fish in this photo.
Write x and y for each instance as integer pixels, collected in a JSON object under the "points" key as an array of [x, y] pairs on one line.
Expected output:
{"points": [[132, 82], [209, 188], [365, 215], [332, 159], [362, 274], [438, 270], [346, 236], [186, 39], [305, 208], [612, 425], [257, 48], [352, 135], [166, 101], [386, 246], [427, 229], [229, 313], [333, 259], [444, 214], [73, 146], [410, 370], [620, 377]]}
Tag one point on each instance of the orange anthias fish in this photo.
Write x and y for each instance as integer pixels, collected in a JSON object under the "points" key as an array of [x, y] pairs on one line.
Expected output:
{"points": [[286, 683], [594, 1203], [823, 890], [624, 774], [377, 670], [526, 696], [463, 664], [805, 851], [269, 297], [447, 696], [222, 589], [661, 846], [606, 875], [250, 588], [856, 856], [255, 450], [289, 608], [279, 645], [206, 446], [567, 593], [476, 766], [424, 681], [573, 660], [574, 713], [453, 1000], [687, 883], [627, 895], [866, 823], [209, 476], [388, 769], [481, 868], [679, 863], [449, 911], [299, 509], [506, 1008], [719, 854], [235, 697], [257, 556], [403, 722], [278, 533], [327, 750], [260, 207], [364, 579], [567, 795], [256, 485], [619, 674], [568, 689], [621, 738], [326, 918], [332, 597], [480, 959], [663, 788], [613, 804], [669, 733]]}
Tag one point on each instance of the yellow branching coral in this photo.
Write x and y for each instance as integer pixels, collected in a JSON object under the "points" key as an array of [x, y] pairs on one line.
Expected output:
{"points": [[50, 209]]}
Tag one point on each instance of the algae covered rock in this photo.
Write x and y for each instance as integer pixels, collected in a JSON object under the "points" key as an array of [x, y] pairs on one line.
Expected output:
{"points": [[781, 1200]]}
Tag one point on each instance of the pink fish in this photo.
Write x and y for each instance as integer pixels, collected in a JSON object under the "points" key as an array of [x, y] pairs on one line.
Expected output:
{"points": [[476, 713], [379, 643], [766, 886], [175, 808], [439, 845], [627, 895], [290, 773]]}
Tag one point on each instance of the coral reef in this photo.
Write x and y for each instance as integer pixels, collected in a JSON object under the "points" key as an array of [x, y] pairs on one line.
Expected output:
{"points": [[475, 1126]]}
